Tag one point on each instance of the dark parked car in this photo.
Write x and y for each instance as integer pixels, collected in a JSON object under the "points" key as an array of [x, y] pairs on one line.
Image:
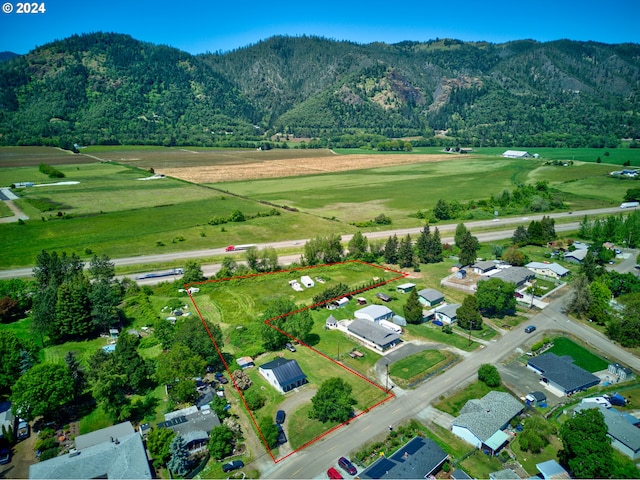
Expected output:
{"points": [[280, 416], [290, 347], [233, 465], [221, 378], [530, 329], [347, 466], [282, 438], [5, 455], [23, 430]]}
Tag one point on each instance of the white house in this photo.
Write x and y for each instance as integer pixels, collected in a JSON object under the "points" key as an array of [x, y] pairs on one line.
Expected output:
{"points": [[447, 313], [374, 313], [283, 374], [552, 270]]}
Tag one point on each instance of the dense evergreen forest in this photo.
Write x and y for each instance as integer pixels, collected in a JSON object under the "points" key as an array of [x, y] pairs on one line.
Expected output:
{"points": [[106, 88]]}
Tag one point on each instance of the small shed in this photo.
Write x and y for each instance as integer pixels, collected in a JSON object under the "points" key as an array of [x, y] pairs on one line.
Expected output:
{"points": [[430, 297], [245, 362], [341, 302], [331, 322], [113, 332], [536, 398], [405, 287], [460, 274], [307, 281], [398, 320]]}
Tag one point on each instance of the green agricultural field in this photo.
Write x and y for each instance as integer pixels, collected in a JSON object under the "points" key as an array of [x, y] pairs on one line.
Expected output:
{"points": [[581, 356], [110, 211]]}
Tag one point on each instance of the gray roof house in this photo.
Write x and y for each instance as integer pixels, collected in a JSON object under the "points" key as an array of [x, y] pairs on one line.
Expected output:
{"points": [[374, 313], [625, 437], [577, 256], [517, 275], [561, 374], [373, 334], [192, 424], [552, 270], [483, 267], [430, 297], [418, 458], [552, 470], [447, 313], [481, 421], [122, 456], [283, 374]]}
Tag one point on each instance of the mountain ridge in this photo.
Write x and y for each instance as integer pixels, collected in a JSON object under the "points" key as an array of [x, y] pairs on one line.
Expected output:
{"points": [[110, 88]]}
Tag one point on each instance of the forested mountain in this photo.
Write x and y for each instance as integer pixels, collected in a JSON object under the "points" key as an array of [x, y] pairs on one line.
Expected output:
{"points": [[110, 88]]}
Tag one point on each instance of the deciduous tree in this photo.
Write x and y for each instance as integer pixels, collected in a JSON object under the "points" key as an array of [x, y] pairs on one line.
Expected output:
{"points": [[42, 391], [496, 297], [333, 401]]}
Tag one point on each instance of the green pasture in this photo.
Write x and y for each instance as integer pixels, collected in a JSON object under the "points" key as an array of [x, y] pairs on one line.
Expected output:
{"points": [[415, 367], [581, 356], [111, 212], [397, 191]]}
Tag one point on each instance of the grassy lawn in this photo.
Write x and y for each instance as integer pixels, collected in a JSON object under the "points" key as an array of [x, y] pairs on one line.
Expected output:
{"points": [[529, 460], [435, 334], [581, 356], [412, 369], [454, 403]]}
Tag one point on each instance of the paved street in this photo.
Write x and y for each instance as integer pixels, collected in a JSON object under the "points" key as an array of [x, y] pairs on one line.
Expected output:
{"points": [[313, 461]]}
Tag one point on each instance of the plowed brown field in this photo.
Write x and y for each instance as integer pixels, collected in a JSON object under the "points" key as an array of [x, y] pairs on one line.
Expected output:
{"points": [[272, 168]]}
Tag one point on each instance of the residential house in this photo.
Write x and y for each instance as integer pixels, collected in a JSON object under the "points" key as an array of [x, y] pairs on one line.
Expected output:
{"points": [[284, 375], [516, 275], [373, 334], [418, 458], [483, 267], [552, 270], [516, 154], [552, 470], [447, 314], [561, 374], [577, 256], [115, 452], [430, 297], [405, 287], [374, 313], [459, 474], [481, 421], [625, 437]]}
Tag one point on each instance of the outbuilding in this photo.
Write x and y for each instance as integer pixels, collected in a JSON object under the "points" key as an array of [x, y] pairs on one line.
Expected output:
{"points": [[284, 375], [374, 313]]}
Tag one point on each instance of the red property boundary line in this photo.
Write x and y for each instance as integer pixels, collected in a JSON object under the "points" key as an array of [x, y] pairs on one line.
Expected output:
{"points": [[389, 396]]}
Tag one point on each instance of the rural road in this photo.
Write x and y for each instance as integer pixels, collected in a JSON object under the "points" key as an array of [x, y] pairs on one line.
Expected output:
{"points": [[445, 228]]}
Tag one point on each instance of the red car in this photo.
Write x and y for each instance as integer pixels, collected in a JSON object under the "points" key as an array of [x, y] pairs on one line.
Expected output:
{"points": [[333, 473]]}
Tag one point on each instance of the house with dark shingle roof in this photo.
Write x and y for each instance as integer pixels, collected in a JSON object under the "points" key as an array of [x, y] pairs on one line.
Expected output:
{"points": [[283, 374], [193, 424], [484, 266], [418, 458], [119, 456], [625, 437], [373, 334], [481, 421], [561, 374]]}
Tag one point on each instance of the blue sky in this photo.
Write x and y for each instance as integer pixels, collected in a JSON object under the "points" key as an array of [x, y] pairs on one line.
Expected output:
{"points": [[223, 25]]}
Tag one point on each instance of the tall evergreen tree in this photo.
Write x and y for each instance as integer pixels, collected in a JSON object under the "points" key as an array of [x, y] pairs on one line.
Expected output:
{"points": [[73, 311], [413, 308], [468, 314], [460, 234], [77, 375], [179, 462], [422, 244], [468, 249], [434, 247], [405, 252], [391, 250]]}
